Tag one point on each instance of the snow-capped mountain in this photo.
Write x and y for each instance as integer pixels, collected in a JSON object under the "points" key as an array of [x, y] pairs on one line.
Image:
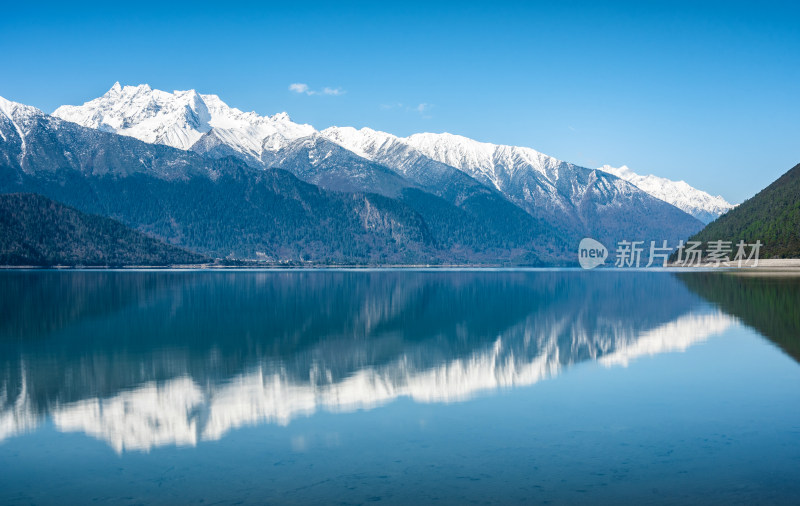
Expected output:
{"points": [[565, 200], [180, 119], [15, 121], [205, 124], [701, 205], [35, 143], [422, 156], [223, 207], [558, 192], [534, 181], [492, 164], [393, 152], [317, 160]]}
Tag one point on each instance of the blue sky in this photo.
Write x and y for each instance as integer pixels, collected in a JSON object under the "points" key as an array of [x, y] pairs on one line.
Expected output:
{"points": [[708, 92]]}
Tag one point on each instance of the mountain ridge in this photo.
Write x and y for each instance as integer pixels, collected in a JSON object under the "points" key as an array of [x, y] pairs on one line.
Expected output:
{"points": [[585, 201], [224, 132], [225, 208], [487, 202], [702, 205]]}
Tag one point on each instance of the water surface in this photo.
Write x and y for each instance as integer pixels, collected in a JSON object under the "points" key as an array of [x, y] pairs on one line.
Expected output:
{"points": [[552, 386]]}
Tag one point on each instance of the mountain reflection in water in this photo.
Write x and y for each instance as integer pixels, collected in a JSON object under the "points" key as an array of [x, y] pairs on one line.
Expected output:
{"points": [[768, 303], [144, 359]]}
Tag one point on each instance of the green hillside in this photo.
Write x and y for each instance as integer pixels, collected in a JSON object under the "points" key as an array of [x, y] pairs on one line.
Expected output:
{"points": [[772, 216], [35, 230]]}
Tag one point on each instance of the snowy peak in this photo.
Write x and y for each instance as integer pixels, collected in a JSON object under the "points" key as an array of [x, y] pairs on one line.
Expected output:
{"points": [[179, 119], [394, 152], [15, 111], [456, 150], [364, 142], [15, 123], [176, 119], [493, 164], [470, 156], [698, 203]]}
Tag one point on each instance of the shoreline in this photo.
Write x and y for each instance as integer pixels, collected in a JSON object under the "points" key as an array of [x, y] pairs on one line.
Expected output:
{"points": [[288, 269], [772, 267], [777, 266]]}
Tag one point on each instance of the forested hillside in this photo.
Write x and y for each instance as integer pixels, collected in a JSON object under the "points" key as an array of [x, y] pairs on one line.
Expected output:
{"points": [[35, 230], [772, 216]]}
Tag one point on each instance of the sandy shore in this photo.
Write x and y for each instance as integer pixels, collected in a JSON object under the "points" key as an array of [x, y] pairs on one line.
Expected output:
{"points": [[781, 267]]}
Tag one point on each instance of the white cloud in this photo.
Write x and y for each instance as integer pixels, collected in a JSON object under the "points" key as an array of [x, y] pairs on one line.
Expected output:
{"points": [[424, 110], [304, 89], [299, 88]]}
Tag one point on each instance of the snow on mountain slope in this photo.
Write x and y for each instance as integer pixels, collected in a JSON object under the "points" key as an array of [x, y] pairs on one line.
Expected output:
{"points": [[532, 180], [14, 112], [491, 163], [569, 198], [680, 194], [500, 167], [577, 198], [393, 152], [181, 118], [14, 118], [205, 124], [320, 161]]}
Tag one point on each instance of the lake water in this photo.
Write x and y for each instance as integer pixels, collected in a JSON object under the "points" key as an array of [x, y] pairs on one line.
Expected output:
{"points": [[401, 387]]}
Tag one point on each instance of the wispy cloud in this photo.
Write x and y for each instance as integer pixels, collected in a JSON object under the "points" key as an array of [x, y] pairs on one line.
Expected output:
{"points": [[423, 109], [299, 88], [304, 89]]}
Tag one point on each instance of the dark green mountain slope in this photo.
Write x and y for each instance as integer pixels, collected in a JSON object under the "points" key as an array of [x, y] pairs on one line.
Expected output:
{"points": [[772, 216], [35, 230]]}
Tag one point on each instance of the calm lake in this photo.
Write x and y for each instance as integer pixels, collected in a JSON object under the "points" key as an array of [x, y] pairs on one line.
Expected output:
{"points": [[397, 386]]}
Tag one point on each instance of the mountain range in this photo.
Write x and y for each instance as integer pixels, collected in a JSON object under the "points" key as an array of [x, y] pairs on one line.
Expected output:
{"points": [[701, 205], [186, 168], [205, 124], [224, 208]]}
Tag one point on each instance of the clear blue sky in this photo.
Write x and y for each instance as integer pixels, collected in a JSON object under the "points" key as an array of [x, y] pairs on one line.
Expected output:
{"points": [[708, 92]]}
